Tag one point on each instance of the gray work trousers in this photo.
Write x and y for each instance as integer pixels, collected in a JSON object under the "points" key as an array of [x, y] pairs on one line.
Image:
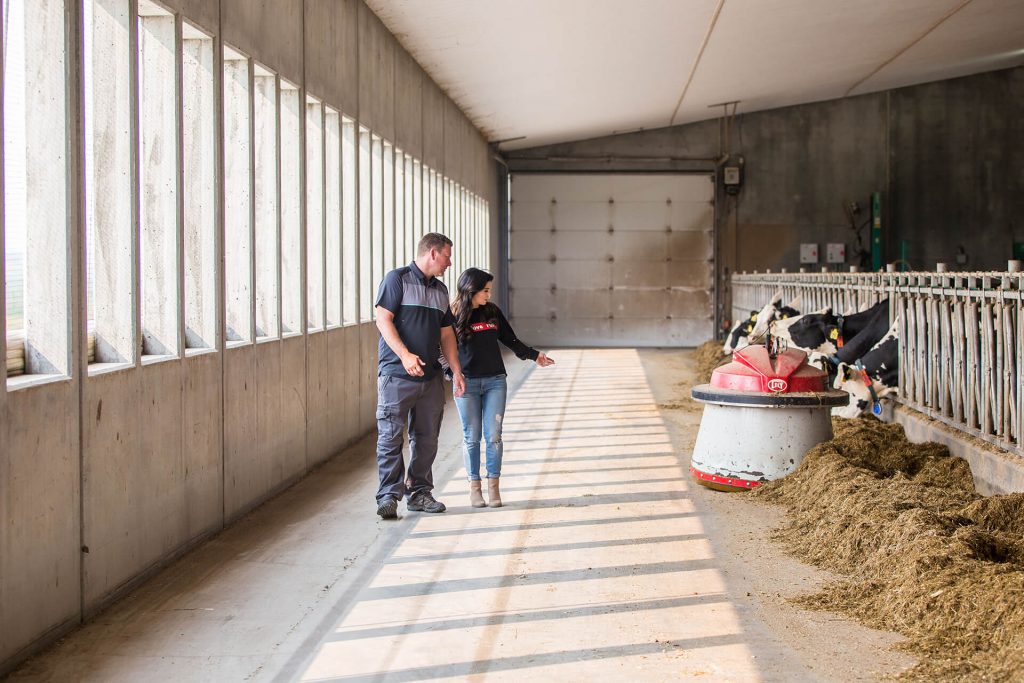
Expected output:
{"points": [[420, 406]]}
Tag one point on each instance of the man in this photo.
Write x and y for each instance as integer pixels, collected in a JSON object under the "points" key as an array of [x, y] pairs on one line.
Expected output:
{"points": [[415, 323]]}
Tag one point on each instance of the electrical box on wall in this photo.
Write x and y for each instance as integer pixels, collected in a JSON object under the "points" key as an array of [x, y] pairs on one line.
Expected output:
{"points": [[808, 253], [732, 176], [835, 253]]}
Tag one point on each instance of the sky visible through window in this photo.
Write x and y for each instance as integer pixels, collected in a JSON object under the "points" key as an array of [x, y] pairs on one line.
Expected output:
{"points": [[15, 201]]}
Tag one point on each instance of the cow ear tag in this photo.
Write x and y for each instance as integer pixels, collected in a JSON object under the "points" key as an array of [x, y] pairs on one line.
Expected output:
{"points": [[834, 334], [876, 408]]}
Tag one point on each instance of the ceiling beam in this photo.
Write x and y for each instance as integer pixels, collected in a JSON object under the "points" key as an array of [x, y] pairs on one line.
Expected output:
{"points": [[696, 62], [909, 45]]}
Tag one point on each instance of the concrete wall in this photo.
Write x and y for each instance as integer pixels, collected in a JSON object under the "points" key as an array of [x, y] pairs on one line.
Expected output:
{"points": [[944, 154], [106, 477]]}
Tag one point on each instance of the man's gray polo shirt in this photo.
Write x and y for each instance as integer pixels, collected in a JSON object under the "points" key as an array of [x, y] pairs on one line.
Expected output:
{"points": [[421, 309]]}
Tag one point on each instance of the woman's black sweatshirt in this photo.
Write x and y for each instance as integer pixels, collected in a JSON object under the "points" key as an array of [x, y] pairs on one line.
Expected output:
{"points": [[480, 355]]}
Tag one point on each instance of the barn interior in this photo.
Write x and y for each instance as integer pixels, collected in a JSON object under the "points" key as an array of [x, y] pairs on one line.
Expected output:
{"points": [[202, 198]]}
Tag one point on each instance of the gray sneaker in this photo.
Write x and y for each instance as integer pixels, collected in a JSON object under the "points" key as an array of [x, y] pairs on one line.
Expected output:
{"points": [[424, 502], [387, 508]]}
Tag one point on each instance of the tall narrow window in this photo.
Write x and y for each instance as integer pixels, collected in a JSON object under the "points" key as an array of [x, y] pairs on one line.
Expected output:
{"points": [[410, 219], [332, 215], [464, 235], [367, 291], [238, 196], [109, 222], [158, 180], [388, 205], [400, 235], [35, 186], [349, 223], [199, 187], [435, 202], [376, 211], [430, 200], [417, 200], [291, 209], [267, 201], [314, 213]]}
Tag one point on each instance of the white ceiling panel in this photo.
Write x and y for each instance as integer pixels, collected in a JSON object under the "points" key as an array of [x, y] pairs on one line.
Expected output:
{"points": [[774, 54], [983, 36], [550, 71]]}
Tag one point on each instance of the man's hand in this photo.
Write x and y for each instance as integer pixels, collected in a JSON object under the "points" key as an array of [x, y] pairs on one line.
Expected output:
{"points": [[458, 384], [543, 360], [413, 364]]}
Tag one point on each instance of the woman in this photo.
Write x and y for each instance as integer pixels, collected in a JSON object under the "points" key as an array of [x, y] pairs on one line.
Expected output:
{"points": [[479, 326]]}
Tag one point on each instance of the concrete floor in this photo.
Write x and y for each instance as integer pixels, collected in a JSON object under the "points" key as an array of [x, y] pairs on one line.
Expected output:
{"points": [[606, 563]]}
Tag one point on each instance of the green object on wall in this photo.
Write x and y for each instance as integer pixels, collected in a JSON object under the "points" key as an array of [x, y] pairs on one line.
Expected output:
{"points": [[1018, 251], [876, 231]]}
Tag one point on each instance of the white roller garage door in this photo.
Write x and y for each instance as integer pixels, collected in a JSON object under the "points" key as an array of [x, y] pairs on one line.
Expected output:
{"points": [[612, 260]]}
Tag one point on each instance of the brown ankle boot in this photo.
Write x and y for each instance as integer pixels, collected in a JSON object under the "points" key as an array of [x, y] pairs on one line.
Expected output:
{"points": [[476, 498], [493, 493]]}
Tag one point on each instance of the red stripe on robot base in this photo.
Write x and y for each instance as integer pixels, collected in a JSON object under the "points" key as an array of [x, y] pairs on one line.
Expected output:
{"points": [[724, 481]]}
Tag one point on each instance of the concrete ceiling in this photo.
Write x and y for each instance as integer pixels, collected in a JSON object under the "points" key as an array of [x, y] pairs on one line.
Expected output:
{"points": [[560, 70]]}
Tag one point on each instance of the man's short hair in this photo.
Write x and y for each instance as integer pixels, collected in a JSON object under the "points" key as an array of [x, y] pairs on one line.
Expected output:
{"points": [[432, 240]]}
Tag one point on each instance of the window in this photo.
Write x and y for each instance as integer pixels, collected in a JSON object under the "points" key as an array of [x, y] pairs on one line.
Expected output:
{"points": [[410, 219], [237, 196], [332, 217], [401, 237], [349, 224], [109, 220], [34, 147], [291, 209], [266, 198], [199, 188], [158, 180], [366, 289], [388, 206], [430, 217], [417, 201], [376, 212], [314, 213]]}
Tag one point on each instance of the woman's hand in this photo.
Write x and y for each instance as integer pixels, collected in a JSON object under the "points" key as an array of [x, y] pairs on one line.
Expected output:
{"points": [[543, 360]]}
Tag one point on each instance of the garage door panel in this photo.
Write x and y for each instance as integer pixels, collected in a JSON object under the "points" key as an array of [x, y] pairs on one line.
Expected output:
{"points": [[648, 281], [681, 331], [640, 303], [573, 332], [533, 302], [633, 216], [532, 245], [582, 303], [639, 246], [691, 217], [584, 274], [689, 273], [532, 215], [688, 302], [639, 274], [531, 274], [581, 245], [689, 246], [582, 216]]}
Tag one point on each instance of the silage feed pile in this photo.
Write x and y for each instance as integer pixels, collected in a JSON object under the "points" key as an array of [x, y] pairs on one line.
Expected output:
{"points": [[706, 358], [919, 551]]}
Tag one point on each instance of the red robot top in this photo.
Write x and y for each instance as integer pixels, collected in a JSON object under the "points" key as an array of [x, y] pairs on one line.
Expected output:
{"points": [[753, 370]]}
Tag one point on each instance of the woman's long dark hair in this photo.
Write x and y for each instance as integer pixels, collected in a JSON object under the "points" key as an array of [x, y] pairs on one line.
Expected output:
{"points": [[471, 281]]}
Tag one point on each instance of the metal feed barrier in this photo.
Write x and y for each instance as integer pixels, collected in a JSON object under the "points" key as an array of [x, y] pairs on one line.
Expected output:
{"points": [[961, 348]]}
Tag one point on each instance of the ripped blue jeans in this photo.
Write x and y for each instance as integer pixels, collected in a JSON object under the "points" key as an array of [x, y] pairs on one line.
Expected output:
{"points": [[482, 409]]}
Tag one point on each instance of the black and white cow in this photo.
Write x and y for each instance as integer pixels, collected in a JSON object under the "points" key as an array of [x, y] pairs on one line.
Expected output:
{"points": [[755, 326], [871, 377], [823, 333]]}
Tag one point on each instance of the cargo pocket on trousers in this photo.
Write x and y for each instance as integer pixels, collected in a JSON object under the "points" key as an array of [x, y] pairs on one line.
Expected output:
{"points": [[386, 427]]}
